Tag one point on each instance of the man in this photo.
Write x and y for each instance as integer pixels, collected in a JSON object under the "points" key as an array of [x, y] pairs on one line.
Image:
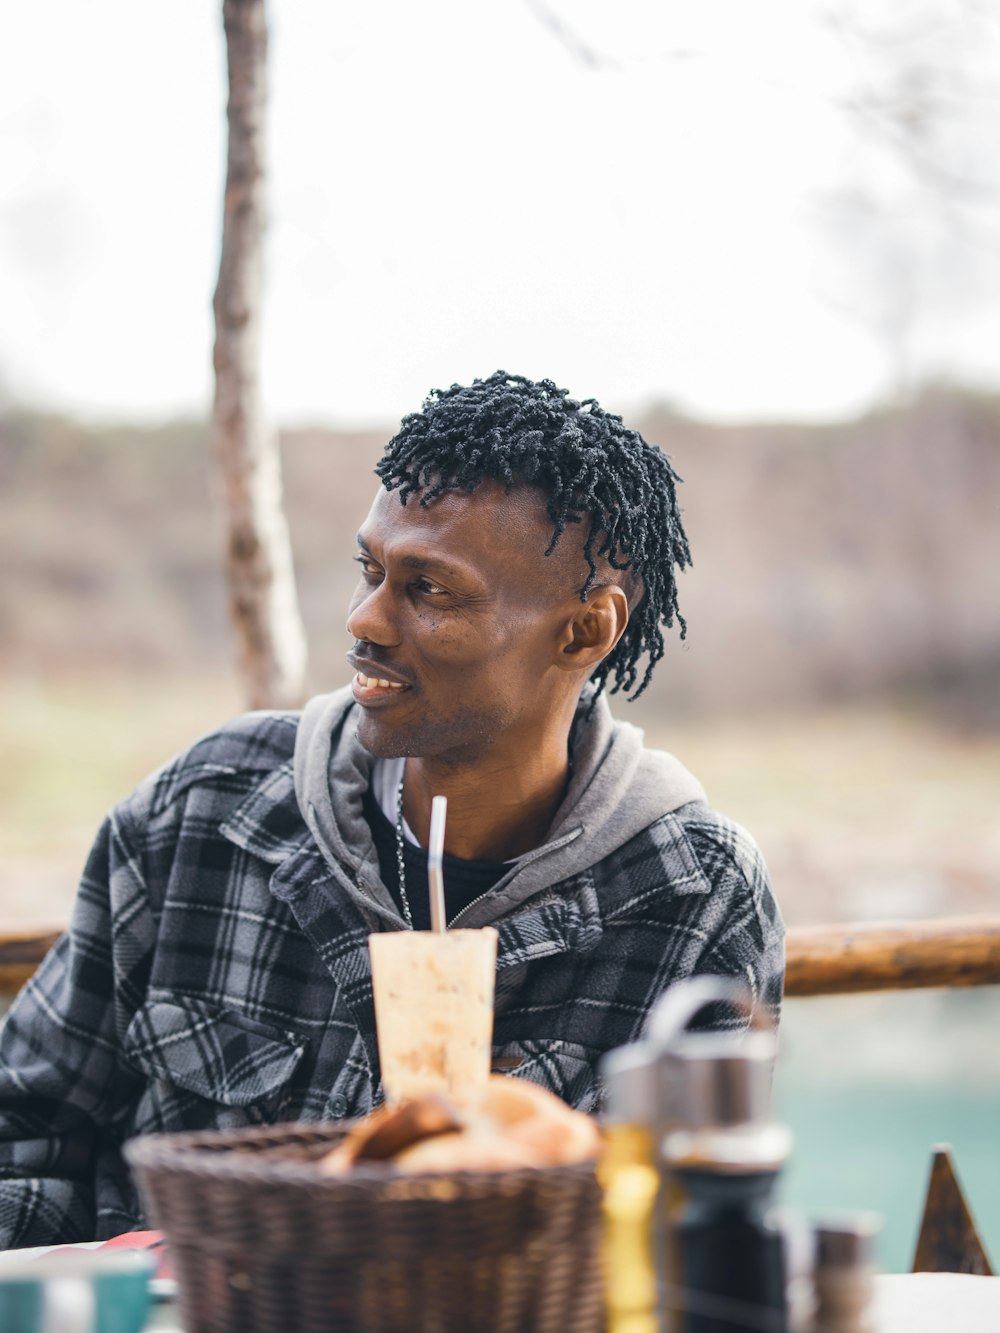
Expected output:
{"points": [[520, 556]]}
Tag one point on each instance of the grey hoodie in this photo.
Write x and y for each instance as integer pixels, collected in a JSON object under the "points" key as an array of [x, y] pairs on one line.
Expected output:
{"points": [[618, 788]]}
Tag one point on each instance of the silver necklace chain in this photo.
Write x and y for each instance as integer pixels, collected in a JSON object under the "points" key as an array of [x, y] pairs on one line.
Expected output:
{"points": [[400, 859]]}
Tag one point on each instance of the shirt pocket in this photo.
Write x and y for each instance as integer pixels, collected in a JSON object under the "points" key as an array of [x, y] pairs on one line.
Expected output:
{"points": [[564, 1067], [220, 1055]]}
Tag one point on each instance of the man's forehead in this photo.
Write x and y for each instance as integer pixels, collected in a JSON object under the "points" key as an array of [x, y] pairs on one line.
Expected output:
{"points": [[481, 529], [520, 513]]}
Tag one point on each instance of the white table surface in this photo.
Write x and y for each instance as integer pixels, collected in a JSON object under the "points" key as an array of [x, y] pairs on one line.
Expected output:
{"points": [[937, 1303], [904, 1302]]}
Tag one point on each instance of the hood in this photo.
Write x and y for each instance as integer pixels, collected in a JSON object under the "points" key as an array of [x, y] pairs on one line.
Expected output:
{"points": [[618, 787]]}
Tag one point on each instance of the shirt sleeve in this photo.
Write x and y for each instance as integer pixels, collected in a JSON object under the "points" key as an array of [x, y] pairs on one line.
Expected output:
{"points": [[747, 936], [59, 1045]]}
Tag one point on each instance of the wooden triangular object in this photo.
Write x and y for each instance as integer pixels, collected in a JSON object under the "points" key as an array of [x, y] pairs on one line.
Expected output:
{"points": [[948, 1241]]}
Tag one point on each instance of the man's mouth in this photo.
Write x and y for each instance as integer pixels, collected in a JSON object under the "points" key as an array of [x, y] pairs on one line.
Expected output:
{"points": [[373, 682]]}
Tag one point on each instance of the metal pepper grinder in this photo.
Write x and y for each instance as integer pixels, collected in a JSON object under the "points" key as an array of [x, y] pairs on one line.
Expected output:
{"points": [[639, 1200], [687, 1121], [729, 1251], [723, 1259]]}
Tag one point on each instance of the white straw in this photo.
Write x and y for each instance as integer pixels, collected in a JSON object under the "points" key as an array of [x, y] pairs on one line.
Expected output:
{"points": [[435, 854]]}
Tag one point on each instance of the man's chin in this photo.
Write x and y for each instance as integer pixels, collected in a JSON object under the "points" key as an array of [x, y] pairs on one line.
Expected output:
{"points": [[381, 741], [375, 743], [460, 735]]}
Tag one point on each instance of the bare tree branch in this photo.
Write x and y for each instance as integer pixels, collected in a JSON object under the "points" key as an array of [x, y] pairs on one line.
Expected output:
{"points": [[262, 594]]}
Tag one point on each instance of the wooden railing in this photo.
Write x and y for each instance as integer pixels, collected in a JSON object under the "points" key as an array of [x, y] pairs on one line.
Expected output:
{"points": [[821, 960], [896, 955], [20, 953]]}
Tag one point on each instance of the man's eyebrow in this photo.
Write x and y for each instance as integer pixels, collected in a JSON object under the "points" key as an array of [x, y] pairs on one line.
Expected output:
{"points": [[419, 562]]}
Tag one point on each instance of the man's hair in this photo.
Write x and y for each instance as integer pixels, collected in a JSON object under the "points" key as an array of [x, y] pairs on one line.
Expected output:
{"points": [[589, 465]]}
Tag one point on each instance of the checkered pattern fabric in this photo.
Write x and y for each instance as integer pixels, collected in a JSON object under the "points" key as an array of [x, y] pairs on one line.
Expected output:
{"points": [[216, 974]]}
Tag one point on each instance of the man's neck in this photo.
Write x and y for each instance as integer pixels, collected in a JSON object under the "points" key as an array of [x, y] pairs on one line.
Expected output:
{"points": [[496, 810]]}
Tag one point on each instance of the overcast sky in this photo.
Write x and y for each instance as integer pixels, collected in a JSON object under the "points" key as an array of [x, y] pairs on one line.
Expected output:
{"points": [[669, 201]]}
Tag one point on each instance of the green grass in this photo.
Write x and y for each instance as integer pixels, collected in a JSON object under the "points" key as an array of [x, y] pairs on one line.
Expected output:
{"points": [[71, 749], [862, 812], [856, 765]]}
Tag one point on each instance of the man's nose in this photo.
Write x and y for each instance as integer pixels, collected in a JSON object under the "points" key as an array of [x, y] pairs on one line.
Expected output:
{"points": [[370, 617]]}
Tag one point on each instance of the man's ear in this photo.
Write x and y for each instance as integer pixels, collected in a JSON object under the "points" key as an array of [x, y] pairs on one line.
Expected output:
{"points": [[595, 627]]}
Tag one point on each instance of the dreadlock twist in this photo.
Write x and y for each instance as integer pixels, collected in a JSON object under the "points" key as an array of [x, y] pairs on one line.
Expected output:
{"points": [[589, 465]]}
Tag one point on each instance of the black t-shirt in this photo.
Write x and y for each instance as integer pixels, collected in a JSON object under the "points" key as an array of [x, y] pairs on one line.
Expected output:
{"points": [[464, 881]]}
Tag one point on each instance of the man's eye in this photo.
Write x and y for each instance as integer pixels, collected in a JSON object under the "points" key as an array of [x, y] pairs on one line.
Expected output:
{"points": [[369, 569], [426, 586]]}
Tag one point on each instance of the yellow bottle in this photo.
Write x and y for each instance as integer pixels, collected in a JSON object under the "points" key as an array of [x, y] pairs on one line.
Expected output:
{"points": [[630, 1177]]}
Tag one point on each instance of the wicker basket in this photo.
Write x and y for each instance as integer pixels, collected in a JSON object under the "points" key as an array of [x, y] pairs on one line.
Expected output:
{"points": [[262, 1243]]}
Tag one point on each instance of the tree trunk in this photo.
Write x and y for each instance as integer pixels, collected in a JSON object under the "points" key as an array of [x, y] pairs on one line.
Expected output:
{"points": [[262, 596]]}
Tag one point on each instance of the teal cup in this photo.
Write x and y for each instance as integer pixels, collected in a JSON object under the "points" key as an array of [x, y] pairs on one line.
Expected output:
{"points": [[81, 1292]]}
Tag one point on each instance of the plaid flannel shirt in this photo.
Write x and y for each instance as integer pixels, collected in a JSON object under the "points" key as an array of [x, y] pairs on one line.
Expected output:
{"points": [[216, 974]]}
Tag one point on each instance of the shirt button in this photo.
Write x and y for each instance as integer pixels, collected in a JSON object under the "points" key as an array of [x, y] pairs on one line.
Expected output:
{"points": [[338, 1106]]}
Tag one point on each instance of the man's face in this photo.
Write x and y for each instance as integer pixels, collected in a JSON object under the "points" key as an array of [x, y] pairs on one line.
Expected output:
{"points": [[458, 612]]}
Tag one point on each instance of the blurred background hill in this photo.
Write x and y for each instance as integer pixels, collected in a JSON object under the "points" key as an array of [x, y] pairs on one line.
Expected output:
{"points": [[831, 563]]}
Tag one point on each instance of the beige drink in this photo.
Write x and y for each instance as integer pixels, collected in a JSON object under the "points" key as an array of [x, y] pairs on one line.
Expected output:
{"points": [[434, 1011]]}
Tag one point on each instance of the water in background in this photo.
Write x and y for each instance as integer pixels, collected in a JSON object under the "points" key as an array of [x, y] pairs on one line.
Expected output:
{"points": [[869, 1084]]}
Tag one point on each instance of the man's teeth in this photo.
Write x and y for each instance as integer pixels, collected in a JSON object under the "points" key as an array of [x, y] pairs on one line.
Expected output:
{"points": [[369, 682]]}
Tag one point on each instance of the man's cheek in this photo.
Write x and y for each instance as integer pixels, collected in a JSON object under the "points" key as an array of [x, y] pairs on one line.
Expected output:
{"points": [[449, 646]]}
